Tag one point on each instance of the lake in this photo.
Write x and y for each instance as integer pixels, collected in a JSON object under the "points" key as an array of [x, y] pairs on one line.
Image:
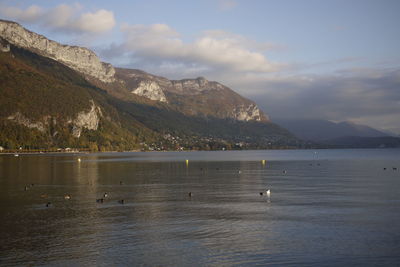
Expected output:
{"points": [[326, 208]]}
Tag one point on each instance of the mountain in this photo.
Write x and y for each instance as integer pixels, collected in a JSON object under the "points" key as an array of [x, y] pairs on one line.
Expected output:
{"points": [[363, 142], [54, 95], [190, 96], [193, 97], [320, 130]]}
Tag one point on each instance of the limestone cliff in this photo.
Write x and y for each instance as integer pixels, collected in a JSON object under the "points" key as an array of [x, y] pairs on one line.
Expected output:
{"points": [[80, 59], [83, 120], [150, 90], [86, 119], [22, 120]]}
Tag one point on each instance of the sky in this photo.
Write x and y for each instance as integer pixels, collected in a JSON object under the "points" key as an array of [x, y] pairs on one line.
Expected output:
{"points": [[300, 59]]}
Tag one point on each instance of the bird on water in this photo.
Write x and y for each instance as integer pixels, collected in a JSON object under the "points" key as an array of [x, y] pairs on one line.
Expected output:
{"points": [[267, 193]]}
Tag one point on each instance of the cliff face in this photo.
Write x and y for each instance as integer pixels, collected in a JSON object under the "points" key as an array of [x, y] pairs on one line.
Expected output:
{"points": [[78, 58], [151, 90]]}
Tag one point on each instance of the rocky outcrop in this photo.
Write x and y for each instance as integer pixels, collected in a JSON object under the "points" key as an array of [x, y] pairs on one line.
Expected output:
{"points": [[78, 58], [4, 46], [248, 113], [151, 90], [194, 86], [86, 119], [22, 120]]}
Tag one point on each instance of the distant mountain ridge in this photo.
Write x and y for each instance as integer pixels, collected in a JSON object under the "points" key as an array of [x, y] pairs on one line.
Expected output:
{"points": [[319, 130]]}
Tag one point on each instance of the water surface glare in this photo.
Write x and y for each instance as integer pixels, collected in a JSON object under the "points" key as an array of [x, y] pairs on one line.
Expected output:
{"points": [[327, 208]]}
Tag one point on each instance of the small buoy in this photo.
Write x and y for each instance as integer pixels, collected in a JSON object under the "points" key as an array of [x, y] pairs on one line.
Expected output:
{"points": [[16, 155], [26, 188], [79, 159], [239, 172], [187, 162], [285, 171], [190, 194], [263, 162], [121, 201], [268, 192], [105, 195], [67, 197]]}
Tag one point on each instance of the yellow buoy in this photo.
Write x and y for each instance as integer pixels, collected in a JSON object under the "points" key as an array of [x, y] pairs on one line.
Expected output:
{"points": [[79, 159], [263, 162], [187, 162]]}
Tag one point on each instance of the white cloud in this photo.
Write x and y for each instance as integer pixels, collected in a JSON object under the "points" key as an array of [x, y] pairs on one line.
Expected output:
{"points": [[97, 22], [30, 14], [67, 18], [227, 4], [213, 49]]}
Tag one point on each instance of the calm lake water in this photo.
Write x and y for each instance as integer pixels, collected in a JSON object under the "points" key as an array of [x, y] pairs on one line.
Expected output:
{"points": [[327, 208]]}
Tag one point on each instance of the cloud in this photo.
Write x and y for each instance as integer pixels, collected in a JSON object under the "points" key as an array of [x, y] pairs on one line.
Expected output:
{"points": [[160, 44], [31, 14], [367, 96], [227, 4], [97, 22], [65, 18]]}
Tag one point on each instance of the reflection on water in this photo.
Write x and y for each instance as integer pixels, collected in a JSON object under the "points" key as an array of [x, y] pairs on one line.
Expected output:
{"points": [[333, 207]]}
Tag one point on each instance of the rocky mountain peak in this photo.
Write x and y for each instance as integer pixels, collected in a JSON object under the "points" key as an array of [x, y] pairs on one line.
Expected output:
{"points": [[80, 59], [194, 97]]}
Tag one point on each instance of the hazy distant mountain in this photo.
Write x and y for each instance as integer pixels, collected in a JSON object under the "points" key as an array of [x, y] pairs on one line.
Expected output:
{"points": [[54, 95], [319, 130], [363, 142]]}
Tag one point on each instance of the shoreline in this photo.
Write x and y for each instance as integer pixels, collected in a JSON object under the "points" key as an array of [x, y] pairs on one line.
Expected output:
{"points": [[25, 152]]}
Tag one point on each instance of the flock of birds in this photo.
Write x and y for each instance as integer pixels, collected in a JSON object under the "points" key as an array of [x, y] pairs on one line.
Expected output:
{"points": [[266, 192]]}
